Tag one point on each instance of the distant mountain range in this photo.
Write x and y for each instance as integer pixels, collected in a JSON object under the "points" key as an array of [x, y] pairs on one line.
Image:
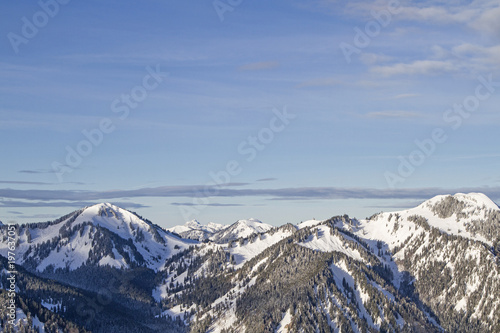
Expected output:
{"points": [[220, 233], [433, 268]]}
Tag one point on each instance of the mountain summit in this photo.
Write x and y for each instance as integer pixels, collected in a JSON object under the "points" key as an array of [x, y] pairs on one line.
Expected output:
{"points": [[102, 234], [472, 215]]}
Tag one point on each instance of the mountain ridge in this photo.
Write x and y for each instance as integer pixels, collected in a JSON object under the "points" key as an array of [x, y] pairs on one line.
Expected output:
{"points": [[430, 268]]}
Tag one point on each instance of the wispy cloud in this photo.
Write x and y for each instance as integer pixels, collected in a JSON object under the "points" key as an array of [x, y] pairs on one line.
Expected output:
{"points": [[72, 197], [266, 179], [215, 204], [479, 56], [256, 66], [63, 123], [373, 58], [16, 182], [55, 204], [482, 16], [320, 82], [406, 205], [488, 21], [470, 157], [38, 216], [393, 114], [38, 171], [20, 182], [419, 67], [401, 96]]}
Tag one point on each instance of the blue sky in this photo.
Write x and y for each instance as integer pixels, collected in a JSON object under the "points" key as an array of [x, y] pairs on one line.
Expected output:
{"points": [[300, 109]]}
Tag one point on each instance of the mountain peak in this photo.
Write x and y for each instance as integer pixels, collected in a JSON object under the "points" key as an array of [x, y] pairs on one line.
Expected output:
{"points": [[193, 224], [102, 234], [250, 221], [471, 215], [106, 213], [459, 202], [480, 199]]}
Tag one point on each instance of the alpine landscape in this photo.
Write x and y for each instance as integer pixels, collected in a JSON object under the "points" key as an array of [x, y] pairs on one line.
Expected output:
{"points": [[432, 268]]}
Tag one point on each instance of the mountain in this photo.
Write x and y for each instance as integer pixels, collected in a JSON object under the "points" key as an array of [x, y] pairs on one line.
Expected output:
{"points": [[100, 235], [32, 316], [220, 233], [448, 249], [197, 231], [119, 302], [432, 268], [240, 229]]}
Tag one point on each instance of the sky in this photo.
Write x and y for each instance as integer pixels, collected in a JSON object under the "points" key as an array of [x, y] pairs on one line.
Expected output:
{"points": [[222, 110]]}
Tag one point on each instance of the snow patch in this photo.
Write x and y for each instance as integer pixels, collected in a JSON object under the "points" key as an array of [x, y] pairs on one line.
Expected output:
{"points": [[283, 326]]}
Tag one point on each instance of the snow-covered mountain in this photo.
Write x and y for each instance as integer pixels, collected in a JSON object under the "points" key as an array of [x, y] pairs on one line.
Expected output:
{"points": [[101, 235], [472, 215], [432, 268], [195, 230], [220, 233], [427, 269], [241, 229]]}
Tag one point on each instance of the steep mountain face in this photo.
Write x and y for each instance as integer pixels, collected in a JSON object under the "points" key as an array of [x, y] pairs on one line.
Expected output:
{"points": [[103, 235], [31, 316], [433, 268], [446, 251], [290, 287], [121, 304]]}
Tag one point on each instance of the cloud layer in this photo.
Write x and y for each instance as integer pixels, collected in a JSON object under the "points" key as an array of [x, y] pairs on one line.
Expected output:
{"points": [[60, 198]]}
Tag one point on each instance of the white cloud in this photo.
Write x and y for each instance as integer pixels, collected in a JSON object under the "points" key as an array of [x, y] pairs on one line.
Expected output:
{"points": [[488, 22], [419, 67], [439, 52], [438, 14], [481, 15], [478, 54], [373, 58]]}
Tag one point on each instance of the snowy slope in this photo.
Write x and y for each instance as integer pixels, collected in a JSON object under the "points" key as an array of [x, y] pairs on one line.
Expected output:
{"points": [[472, 215], [102, 234], [195, 225], [341, 290], [195, 230], [309, 223], [22, 321], [445, 242], [248, 249], [345, 273], [220, 233], [239, 229], [324, 241]]}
